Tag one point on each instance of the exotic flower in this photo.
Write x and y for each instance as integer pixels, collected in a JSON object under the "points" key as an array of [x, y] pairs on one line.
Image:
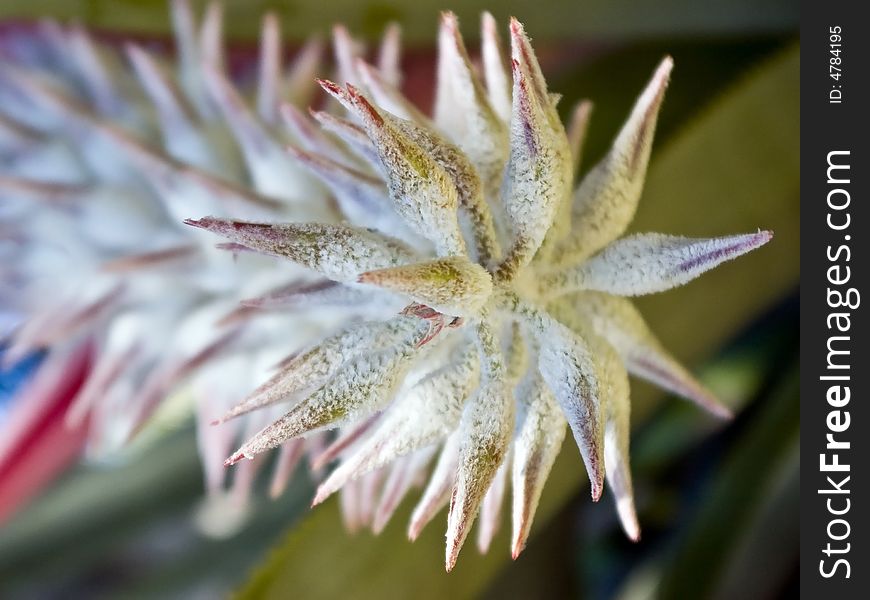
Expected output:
{"points": [[445, 288]]}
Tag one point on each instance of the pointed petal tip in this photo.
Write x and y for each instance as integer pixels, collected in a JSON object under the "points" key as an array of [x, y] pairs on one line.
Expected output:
{"points": [[218, 226], [199, 223], [654, 93], [449, 21], [236, 457], [380, 522], [721, 412], [134, 51], [450, 562], [340, 30], [583, 109], [628, 518], [751, 241], [228, 416], [521, 47], [659, 83], [597, 487], [520, 534], [665, 67], [483, 546], [320, 496], [517, 549], [413, 532], [636, 134], [330, 87], [730, 247], [270, 19]]}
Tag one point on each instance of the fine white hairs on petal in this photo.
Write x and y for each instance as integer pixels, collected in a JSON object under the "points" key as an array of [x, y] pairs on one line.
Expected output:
{"points": [[652, 262]]}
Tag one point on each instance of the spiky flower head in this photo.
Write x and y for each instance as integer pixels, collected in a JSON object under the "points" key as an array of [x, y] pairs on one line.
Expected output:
{"points": [[447, 289]]}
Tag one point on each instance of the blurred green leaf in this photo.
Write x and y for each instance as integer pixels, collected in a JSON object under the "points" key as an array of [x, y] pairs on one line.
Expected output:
{"points": [[110, 517], [734, 167], [80, 506], [750, 477], [703, 70], [593, 19], [736, 377], [769, 545]]}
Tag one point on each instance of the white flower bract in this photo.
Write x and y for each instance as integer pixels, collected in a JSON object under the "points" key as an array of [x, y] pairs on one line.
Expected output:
{"points": [[429, 285]]}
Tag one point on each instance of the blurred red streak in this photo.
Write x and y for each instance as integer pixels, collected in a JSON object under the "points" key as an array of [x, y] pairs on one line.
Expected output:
{"points": [[37, 445]]}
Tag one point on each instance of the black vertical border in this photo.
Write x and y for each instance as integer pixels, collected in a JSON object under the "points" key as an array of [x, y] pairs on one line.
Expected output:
{"points": [[827, 127]]}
